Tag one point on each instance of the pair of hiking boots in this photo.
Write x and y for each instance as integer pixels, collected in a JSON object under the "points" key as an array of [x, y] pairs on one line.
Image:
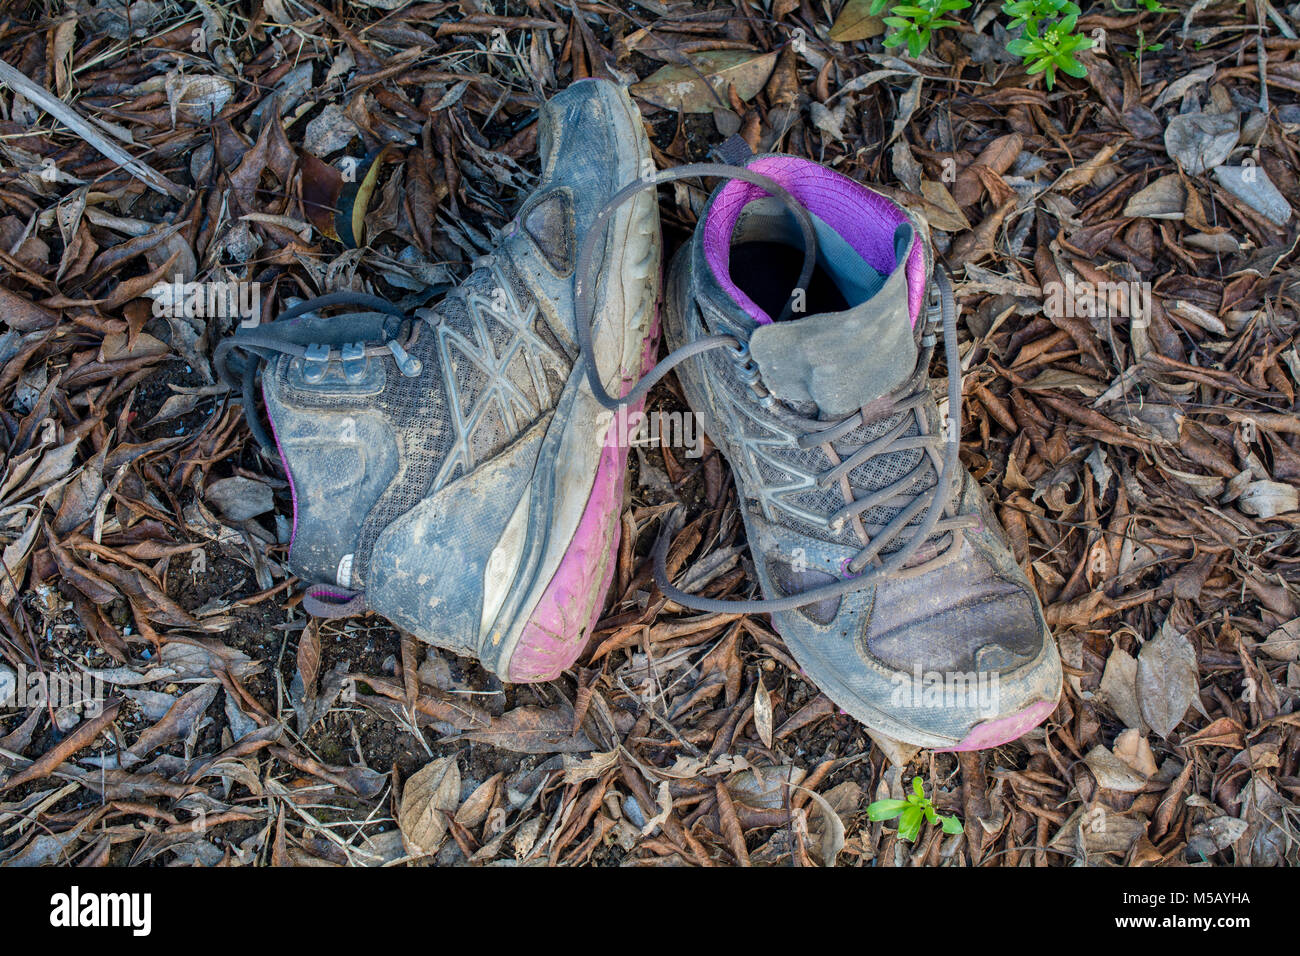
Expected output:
{"points": [[458, 469]]}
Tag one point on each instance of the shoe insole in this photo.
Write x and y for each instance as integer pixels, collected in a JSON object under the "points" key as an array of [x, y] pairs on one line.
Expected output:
{"points": [[767, 273]]}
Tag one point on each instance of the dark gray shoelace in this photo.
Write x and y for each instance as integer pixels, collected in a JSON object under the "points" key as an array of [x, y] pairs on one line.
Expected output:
{"points": [[933, 500]]}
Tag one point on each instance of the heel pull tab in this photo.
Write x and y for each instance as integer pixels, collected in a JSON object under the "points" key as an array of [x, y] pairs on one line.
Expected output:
{"points": [[320, 602], [733, 151]]}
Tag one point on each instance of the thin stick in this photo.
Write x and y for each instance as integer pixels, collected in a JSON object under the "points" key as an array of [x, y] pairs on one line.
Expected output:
{"points": [[69, 117]]}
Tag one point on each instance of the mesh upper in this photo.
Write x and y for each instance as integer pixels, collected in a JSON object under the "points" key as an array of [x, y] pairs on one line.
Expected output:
{"points": [[766, 441], [490, 369]]}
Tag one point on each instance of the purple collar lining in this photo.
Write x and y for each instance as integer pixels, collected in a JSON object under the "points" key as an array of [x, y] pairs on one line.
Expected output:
{"points": [[866, 220]]}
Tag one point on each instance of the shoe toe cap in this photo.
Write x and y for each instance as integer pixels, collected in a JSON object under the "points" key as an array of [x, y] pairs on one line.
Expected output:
{"points": [[967, 678]]}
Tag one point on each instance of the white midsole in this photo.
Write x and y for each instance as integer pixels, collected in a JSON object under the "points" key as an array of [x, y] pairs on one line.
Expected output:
{"points": [[586, 426]]}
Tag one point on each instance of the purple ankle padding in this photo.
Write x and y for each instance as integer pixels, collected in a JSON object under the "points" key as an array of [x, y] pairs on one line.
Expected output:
{"points": [[293, 492], [865, 219]]}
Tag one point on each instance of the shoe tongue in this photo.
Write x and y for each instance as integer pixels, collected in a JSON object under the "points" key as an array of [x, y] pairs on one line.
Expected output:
{"points": [[842, 361]]}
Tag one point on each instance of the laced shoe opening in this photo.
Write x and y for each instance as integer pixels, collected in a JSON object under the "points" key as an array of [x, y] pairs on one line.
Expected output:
{"points": [[862, 239], [767, 271]]}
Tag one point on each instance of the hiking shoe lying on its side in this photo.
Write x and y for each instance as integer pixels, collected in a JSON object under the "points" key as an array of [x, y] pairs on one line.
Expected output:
{"points": [[451, 470], [888, 576]]}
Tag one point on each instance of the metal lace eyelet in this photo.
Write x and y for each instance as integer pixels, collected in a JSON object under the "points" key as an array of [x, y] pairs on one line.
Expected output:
{"points": [[315, 362], [933, 315], [746, 367], [407, 364], [748, 372], [354, 361]]}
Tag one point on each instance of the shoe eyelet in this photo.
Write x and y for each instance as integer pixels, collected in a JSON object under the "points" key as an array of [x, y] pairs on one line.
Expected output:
{"points": [[315, 362], [354, 361]]}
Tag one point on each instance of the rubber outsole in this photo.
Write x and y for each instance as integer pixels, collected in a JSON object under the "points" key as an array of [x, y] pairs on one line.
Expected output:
{"points": [[556, 628]]}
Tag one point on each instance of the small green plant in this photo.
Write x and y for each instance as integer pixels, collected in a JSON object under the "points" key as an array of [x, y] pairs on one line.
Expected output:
{"points": [[912, 23], [1026, 12], [1145, 47], [1150, 6], [915, 810], [1047, 42]]}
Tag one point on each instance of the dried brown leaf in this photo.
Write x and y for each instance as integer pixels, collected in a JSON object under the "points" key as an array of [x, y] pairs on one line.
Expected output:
{"points": [[429, 797]]}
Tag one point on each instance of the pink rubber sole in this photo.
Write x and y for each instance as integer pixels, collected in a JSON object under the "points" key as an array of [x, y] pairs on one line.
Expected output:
{"points": [[560, 624], [995, 733], [558, 629]]}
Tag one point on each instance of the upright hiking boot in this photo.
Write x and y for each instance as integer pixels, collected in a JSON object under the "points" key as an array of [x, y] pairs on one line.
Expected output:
{"points": [[887, 575], [450, 468]]}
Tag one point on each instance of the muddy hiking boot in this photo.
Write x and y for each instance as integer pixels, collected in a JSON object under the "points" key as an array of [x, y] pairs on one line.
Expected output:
{"points": [[450, 469], [884, 570]]}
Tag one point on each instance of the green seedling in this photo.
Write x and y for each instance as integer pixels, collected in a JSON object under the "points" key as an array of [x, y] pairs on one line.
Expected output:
{"points": [[1048, 41], [1145, 47], [913, 23], [1024, 13], [1150, 6], [914, 811]]}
